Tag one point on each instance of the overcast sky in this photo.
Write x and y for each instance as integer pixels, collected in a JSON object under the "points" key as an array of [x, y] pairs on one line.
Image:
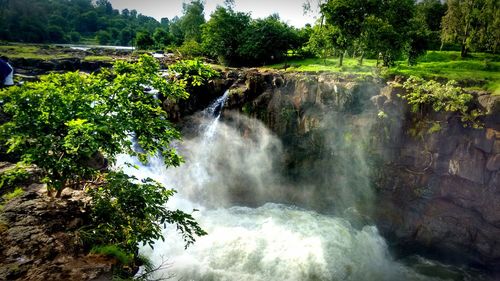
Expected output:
{"points": [[290, 11]]}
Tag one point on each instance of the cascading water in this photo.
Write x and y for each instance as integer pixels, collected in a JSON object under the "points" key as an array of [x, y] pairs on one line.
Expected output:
{"points": [[214, 111], [230, 164]]}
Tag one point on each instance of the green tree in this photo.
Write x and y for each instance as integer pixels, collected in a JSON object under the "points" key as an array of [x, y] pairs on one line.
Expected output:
{"points": [[346, 18], [176, 31], [192, 20], [144, 41], [162, 38], [472, 24], [64, 122], [222, 35], [357, 21], [103, 37], [321, 42], [266, 41], [128, 212]]}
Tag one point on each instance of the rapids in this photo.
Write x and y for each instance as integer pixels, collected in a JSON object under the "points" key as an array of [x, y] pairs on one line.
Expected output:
{"points": [[230, 177]]}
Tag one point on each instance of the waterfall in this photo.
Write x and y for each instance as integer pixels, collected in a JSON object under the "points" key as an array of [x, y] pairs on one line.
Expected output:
{"points": [[230, 177], [215, 111]]}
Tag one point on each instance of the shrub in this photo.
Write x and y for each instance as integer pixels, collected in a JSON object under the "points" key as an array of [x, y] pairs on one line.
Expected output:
{"points": [[113, 251], [193, 72], [424, 96]]}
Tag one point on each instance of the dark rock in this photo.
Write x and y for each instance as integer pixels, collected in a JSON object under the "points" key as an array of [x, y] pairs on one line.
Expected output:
{"points": [[493, 163], [468, 162]]}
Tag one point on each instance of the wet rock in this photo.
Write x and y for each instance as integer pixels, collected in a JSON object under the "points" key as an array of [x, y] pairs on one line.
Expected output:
{"points": [[468, 163]]}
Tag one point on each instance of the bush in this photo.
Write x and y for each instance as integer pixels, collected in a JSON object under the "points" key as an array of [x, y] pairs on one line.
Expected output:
{"points": [[126, 212], [191, 49], [13, 177], [193, 72], [113, 251], [424, 96], [65, 121]]}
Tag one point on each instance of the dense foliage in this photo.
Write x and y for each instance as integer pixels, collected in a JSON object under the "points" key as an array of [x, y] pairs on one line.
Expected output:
{"points": [[126, 212], [234, 38], [384, 30], [426, 96], [193, 72], [62, 21], [474, 24], [391, 30], [379, 27], [69, 124], [66, 121]]}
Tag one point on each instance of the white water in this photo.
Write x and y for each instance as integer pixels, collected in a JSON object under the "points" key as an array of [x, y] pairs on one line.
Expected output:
{"points": [[270, 242]]}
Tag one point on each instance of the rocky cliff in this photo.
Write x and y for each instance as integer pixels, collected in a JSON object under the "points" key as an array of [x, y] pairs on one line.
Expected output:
{"points": [[437, 190]]}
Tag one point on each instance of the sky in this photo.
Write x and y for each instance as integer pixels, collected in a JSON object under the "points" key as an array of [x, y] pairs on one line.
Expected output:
{"points": [[290, 11]]}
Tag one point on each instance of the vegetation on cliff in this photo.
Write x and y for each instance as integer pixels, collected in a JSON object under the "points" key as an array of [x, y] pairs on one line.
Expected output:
{"points": [[72, 126]]}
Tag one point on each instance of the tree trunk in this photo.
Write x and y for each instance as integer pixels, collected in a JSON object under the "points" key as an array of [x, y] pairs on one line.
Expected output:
{"points": [[341, 58], [361, 58], [463, 52]]}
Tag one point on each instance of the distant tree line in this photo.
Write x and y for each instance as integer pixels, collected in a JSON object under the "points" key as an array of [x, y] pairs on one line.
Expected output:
{"points": [[70, 21], [380, 29]]}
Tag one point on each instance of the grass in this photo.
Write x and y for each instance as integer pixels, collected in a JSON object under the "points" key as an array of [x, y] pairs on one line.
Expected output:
{"points": [[98, 58], [478, 71], [11, 195], [350, 65], [29, 51], [44, 52], [114, 252]]}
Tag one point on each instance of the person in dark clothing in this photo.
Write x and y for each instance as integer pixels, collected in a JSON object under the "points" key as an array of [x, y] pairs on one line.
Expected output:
{"points": [[6, 74]]}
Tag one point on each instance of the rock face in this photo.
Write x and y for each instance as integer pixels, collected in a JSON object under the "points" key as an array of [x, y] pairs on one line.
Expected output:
{"points": [[39, 239], [439, 190]]}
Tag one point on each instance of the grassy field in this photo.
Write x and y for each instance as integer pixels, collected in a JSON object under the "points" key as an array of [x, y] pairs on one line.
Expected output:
{"points": [[45, 52], [28, 51], [477, 71]]}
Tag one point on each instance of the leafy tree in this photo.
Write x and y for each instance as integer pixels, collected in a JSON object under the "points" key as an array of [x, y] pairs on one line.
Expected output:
{"points": [[420, 39], [472, 24], [193, 72], [266, 41], [56, 34], [176, 31], [191, 49], [346, 18], [103, 37], [192, 20], [427, 96], [37, 20], [222, 34], [357, 23], [162, 38], [321, 42], [128, 212], [65, 122], [431, 12], [144, 41]]}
